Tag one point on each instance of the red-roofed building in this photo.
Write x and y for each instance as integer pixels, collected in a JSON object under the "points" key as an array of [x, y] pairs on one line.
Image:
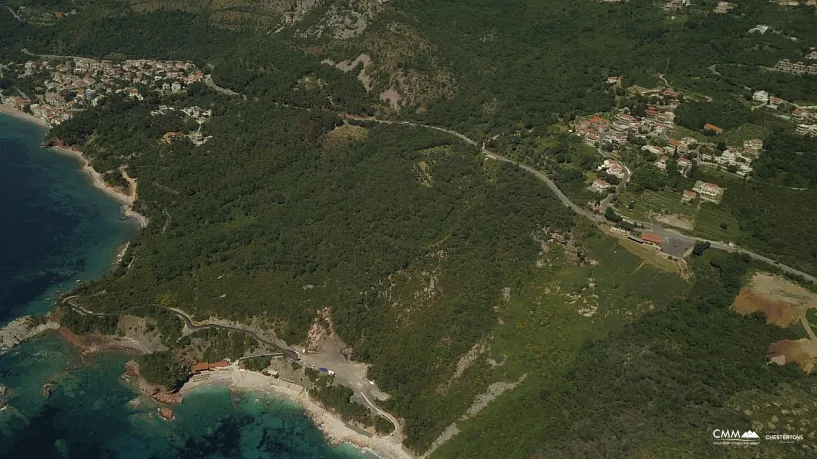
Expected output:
{"points": [[600, 186], [709, 191], [199, 367], [688, 196], [208, 366], [713, 128], [650, 238]]}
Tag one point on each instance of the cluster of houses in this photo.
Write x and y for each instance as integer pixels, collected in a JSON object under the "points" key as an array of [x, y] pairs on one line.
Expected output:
{"points": [[806, 129], [612, 167], [199, 115], [797, 2], [767, 99], [653, 128], [71, 84], [737, 158], [796, 68], [674, 5], [659, 117], [806, 119]]}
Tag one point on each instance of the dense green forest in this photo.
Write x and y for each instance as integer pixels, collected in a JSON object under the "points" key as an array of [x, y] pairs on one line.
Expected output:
{"points": [[162, 368]]}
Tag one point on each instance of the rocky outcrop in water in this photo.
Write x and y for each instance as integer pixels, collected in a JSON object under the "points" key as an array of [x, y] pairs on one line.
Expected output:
{"points": [[22, 329], [154, 391]]}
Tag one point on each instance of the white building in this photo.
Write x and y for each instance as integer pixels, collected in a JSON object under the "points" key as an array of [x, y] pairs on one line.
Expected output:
{"points": [[708, 191], [760, 28], [612, 167], [600, 186], [653, 149], [761, 96]]}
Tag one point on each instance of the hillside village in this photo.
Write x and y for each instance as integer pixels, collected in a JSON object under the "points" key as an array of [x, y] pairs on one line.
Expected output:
{"points": [[61, 87], [651, 133]]}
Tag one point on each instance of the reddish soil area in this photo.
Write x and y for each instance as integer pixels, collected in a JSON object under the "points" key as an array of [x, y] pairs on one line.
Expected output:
{"points": [[780, 313], [802, 352]]}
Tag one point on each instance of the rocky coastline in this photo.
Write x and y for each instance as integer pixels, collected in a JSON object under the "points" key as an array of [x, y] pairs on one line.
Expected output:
{"points": [[24, 328]]}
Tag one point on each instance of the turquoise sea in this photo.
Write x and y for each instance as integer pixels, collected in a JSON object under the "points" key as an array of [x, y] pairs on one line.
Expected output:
{"points": [[58, 229]]}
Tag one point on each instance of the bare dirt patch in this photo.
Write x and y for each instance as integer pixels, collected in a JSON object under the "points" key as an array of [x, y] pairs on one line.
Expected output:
{"points": [[780, 313], [392, 97], [803, 352], [347, 66], [675, 220], [782, 301]]}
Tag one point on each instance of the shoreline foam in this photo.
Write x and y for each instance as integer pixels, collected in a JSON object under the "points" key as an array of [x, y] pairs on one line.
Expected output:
{"points": [[333, 428], [127, 200], [97, 181]]}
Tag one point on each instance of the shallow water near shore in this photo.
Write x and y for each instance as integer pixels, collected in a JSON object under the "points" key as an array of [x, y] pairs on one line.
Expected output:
{"points": [[60, 404], [57, 228]]}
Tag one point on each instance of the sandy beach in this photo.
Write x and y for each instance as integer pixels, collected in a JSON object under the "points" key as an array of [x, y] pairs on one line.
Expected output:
{"points": [[5, 109], [333, 428], [127, 200]]}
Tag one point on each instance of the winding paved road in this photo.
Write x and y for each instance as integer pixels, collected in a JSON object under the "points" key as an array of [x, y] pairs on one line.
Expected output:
{"points": [[650, 227], [288, 353], [386, 415]]}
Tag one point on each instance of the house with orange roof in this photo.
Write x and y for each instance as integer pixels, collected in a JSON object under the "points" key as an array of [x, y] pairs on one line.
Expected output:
{"points": [[708, 191], [600, 186], [651, 239], [713, 128]]}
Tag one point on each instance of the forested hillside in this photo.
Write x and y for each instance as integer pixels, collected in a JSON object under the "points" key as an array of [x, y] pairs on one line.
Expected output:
{"points": [[459, 279]]}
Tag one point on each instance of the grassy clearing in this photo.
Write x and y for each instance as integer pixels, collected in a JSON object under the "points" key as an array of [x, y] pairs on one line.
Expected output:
{"points": [[747, 131], [708, 223], [542, 327], [679, 132], [344, 134], [706, 216], [650, 255], [654, 202]]}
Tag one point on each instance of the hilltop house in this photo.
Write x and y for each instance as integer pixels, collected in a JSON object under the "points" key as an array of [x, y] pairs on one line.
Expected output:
{"points": [[653, 149], [661, 163], [684, 165], [712, 128], [612, 167], [600, 186], [755, 144], [708, 191], [761, 96]]}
